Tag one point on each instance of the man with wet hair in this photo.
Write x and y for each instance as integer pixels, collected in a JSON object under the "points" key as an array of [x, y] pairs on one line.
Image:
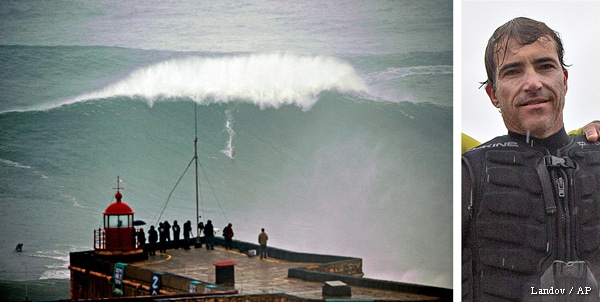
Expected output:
{"points": [[530, 210]]}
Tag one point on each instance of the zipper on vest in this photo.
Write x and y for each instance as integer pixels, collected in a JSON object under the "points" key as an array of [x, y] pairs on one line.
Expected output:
{"points": [[560, 185], [563, 217], [558, 166]]}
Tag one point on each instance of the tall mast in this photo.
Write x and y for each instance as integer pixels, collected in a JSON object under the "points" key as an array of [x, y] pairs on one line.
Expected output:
{"points": [[196, 163]]}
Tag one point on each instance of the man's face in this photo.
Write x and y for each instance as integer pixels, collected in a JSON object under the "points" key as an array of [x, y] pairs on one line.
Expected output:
{"points": [[530, 88]]}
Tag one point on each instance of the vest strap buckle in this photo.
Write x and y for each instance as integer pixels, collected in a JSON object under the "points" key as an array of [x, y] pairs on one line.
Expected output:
{"points": [[554, 161]]}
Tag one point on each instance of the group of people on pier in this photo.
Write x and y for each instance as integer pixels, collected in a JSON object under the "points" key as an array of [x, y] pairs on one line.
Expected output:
{"points": [[160, 238]]}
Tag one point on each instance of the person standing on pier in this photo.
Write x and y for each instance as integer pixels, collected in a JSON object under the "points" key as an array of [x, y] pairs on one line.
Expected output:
{"points": [[209, 235], [141, 238], [262, 240], [152, 238], [162, 238], [187, 231], [167, 226], [228, 235], [176, 231]]}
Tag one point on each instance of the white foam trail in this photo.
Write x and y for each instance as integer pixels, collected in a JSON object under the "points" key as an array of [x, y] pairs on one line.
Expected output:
{"points": [[229, 149], [266, 80], [14, 164]]}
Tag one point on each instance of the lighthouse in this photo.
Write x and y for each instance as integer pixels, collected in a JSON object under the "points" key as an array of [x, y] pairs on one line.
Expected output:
{"points": [[117, 241]]}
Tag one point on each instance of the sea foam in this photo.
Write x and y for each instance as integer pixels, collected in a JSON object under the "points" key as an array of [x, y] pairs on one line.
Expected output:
{"points": [[266, 80]]}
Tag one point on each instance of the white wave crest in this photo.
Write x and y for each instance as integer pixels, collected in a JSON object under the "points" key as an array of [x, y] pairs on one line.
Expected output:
{"points": [[14, 164], [55, 255], [56, 272], [58, 269], [266, 80]]}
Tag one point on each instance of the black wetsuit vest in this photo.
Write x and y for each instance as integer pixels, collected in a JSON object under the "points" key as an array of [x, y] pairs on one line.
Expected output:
{"points": [[531, 221]]}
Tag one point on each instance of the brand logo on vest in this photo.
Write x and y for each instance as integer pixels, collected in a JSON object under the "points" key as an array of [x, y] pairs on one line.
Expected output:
{"points": [[494, 145]]}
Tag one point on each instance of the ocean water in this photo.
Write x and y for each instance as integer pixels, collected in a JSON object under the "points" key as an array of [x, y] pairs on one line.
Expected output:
{"points": [[327, 123]]}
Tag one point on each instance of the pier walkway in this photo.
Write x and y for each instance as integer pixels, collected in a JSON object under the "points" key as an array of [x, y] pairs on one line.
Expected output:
{"points": [[255, 276]]}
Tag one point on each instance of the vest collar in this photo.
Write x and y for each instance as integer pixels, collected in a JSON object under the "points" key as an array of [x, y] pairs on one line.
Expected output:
{"points": [[552, 143]]}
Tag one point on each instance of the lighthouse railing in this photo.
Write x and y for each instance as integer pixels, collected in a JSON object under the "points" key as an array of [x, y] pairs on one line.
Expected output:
{"points": [[99, 239]]}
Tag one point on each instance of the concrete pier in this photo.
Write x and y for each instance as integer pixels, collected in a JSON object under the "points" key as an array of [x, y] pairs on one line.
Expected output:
{"points": [[302, 278]]}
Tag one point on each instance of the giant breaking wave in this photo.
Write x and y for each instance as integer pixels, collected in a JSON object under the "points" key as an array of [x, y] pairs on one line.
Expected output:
{"points": [[266, 80]]}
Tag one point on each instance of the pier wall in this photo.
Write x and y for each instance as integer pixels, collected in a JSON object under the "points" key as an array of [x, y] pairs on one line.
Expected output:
{"points": [[93, 278], [326, 263], [310, 275]]}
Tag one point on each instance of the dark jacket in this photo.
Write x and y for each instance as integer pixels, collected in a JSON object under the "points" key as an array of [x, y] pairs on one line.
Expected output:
{"points": [[176, 231], [141, 238], [228, 232], [209, 231], [187, 229], [152, 235]]}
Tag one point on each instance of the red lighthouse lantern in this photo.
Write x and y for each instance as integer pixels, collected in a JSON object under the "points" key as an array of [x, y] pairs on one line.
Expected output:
{"points": [[118, 238]]}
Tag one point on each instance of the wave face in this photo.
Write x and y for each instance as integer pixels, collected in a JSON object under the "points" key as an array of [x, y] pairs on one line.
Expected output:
{"points": [[330, 127]]}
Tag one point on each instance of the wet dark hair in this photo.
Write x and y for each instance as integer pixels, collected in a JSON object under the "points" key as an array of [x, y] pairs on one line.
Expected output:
{"points": [[523, 31]]}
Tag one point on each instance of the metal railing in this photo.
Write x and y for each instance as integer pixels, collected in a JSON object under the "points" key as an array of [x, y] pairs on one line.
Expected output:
{"points": [[99, 239]]}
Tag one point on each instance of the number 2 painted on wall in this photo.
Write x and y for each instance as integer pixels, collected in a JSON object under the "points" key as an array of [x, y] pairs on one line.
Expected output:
{"points": [[155, 285]]}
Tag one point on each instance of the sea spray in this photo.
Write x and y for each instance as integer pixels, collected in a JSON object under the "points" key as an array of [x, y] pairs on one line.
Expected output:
{"points": [[266, 80], [229, 149]]}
